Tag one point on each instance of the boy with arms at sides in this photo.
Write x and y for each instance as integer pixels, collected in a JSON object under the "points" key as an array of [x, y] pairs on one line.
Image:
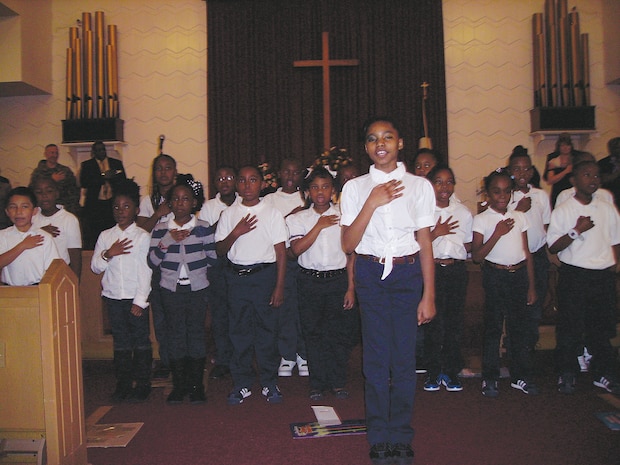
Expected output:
{"points": [[26, 251], [210, 212], [252, 235], [585, 233], [290, 199], [60, 223], [386, 219]]}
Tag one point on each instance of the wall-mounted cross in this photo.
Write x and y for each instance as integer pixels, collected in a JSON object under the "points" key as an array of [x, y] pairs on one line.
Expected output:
{"points": [[326, 64]]}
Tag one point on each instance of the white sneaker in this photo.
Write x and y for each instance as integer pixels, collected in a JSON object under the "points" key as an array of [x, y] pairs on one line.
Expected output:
{"points": [[286, 368], [302, 367], [584, 361]]}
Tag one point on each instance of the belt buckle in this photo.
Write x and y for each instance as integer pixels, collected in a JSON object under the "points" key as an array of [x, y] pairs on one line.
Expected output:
{"points": [[511, 268], [244, 271]]}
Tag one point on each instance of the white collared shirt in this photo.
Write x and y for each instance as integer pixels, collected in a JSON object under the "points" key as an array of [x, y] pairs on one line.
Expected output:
{"points": [[594, 249], [126, 276], [283, 202], [538, 216], [191, 224], [600, 193], [509, 248], [67, 223], [390, 231], [257, 246], [30, 266], [147, 210], [213, 208], [326, 253], [453, 245]]}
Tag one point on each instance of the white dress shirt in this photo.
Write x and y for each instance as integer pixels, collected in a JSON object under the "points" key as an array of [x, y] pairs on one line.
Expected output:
{"points": [[30, 266], [390, 231], [326, 253], [126, 276]]}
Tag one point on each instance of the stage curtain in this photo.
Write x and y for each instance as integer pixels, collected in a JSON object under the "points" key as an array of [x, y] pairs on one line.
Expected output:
{"points": [[261, 108]]}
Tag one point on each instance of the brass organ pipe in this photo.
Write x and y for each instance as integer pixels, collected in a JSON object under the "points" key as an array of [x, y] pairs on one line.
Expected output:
{"points": [[77, 59], [89, 74], [69, 84], [585, 50], [575, 58], [100, 66]]}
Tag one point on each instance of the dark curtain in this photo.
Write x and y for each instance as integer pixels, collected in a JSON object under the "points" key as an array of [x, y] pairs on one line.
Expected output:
{"points": [[261, 108]]}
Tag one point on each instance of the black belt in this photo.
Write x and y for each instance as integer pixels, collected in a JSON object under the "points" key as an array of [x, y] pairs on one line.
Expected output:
{"points": [[447, 261], [322, 274], [405, 260], [244, 270], [508, 268]]}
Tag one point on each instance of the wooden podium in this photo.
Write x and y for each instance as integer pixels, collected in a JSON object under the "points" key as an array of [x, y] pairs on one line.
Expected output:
{"points": [[42, 404]]}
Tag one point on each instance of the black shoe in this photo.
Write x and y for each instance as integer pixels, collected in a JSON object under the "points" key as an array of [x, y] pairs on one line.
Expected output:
{"points": [[197, 395], [140, 393], [122, 392], [380, 453], [219, 371], [176, 396], [402, 453]]}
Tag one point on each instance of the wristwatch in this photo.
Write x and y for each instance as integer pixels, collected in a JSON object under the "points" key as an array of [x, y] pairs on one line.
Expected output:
{"points": [[574, 234]]}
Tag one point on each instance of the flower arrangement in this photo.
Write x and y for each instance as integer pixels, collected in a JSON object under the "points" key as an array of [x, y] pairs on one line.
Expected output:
{"points": [[333, 159], [270, 177]]}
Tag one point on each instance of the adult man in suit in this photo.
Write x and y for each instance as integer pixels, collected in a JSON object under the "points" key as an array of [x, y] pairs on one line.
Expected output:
{"points": [[98, 176]]}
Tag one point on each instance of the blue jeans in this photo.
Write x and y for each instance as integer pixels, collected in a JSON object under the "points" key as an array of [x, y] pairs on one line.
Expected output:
{"points": [[389, 313], [186, 314], [129, 332]]}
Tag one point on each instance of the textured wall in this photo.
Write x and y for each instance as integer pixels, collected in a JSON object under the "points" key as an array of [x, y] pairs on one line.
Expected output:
{"points": [[162, 87], [488, 51]]}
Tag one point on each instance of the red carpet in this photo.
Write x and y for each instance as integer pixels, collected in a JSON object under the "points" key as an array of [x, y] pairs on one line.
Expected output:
{"points": [[451, 428]]}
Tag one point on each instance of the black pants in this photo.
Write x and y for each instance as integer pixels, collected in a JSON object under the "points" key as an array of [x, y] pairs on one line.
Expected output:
{"points": [[586, 316]]}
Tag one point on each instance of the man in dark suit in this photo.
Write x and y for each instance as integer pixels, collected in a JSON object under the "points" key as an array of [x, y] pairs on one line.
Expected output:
{"points": [[98, 176]]}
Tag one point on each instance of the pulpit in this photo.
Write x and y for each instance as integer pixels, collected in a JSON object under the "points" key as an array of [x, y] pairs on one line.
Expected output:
{"points": [[42, 403]]}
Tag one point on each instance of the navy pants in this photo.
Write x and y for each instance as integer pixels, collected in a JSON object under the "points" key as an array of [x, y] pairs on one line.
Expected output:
{"points": [[218, 305], [129, 332], [327, 327], [159, 319], [389, 326], [290, 338], [505, 294], [586, 316], [253, 327], [186, 313]]}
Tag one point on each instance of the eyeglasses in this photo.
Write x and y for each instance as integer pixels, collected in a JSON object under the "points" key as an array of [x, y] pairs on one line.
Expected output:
{"points": [[226, 178]]}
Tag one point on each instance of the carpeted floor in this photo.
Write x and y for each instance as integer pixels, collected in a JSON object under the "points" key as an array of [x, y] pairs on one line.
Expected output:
{"points": [[451, 428]]}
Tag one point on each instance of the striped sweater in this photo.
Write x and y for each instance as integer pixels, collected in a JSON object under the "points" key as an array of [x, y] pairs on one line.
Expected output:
{"points": [[197, 252]]}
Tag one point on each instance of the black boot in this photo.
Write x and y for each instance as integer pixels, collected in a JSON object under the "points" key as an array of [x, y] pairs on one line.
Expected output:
{"points": [[122, 366], [142, 360], [195, 384], [179, 388]]}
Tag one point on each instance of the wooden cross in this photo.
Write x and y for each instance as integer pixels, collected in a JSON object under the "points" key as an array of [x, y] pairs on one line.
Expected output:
{"points": [[325, 63]]}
